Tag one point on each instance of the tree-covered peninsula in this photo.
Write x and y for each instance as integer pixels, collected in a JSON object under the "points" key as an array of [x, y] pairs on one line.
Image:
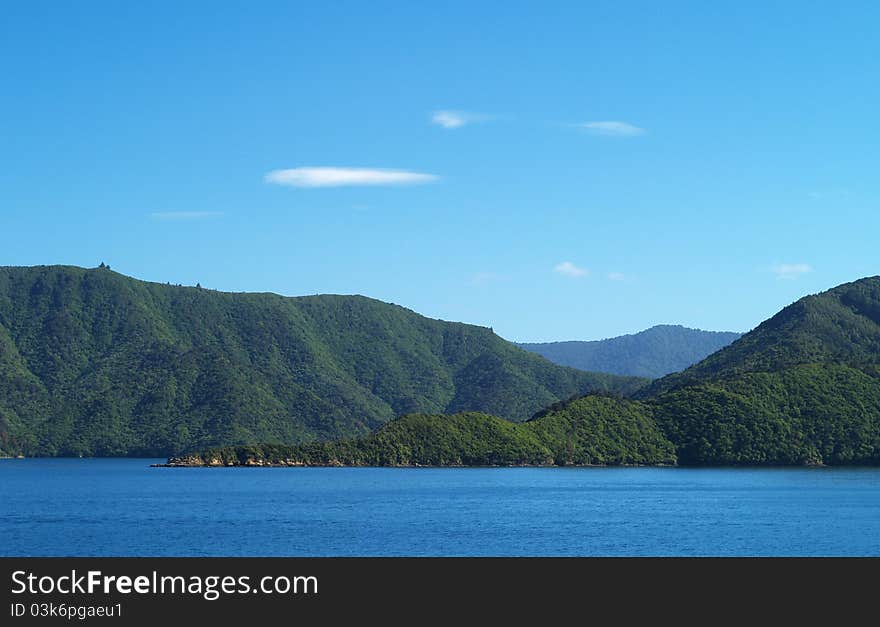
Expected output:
{"points": [[592, 430]]}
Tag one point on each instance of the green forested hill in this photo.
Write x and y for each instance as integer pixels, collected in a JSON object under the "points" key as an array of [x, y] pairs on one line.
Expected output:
{"points": [[806, 414], [652, 353], [593, 430], [841, 325], [802, 388], [96, 363]]}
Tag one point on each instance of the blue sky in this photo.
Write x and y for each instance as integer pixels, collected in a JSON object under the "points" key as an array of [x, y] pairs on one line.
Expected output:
{"points": [[553, 170]]}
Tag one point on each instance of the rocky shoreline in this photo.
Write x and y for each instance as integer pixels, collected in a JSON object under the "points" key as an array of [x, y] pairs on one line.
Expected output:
{"points": [[196, 461]]}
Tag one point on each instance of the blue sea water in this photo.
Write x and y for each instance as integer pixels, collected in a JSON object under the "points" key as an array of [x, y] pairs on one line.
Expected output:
{"points": [[122, 507]]}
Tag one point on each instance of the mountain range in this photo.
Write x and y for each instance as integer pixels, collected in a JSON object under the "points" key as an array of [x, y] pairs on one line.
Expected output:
{"points": [[96, 363], [653, 353], [803, 388]]}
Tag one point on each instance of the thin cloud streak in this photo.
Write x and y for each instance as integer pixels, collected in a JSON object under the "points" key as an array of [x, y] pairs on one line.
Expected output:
{"points": [[180, 216], [484, 278], [449, 119], [790, 271], [345, 177], [611, 129]]}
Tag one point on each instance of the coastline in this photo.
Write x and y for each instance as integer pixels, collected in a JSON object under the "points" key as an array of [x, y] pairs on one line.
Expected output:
{"points": [[258, 463], [261, 464]]}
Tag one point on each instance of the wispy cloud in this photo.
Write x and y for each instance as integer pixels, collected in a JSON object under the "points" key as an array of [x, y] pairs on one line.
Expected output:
{"points": [[179, 216], [617, 276], [567, 268], [828, 194], [790, 271], [456, 119], [611, 129], [341, 177], [484, 278]]}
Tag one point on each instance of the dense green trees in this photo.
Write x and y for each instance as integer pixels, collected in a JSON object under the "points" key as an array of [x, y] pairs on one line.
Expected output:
{"points": [[96, 363], [841, 325], [802, 388], [592, 430], [806, 414], [597, 429]]}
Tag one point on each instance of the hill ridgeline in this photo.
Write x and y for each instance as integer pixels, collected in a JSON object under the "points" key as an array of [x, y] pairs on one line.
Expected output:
{"points": [[96, 363], [803, 388], [653, 353]]}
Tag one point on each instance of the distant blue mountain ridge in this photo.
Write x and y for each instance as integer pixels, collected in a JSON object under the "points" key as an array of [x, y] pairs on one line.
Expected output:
{"points": [[653, 353]]}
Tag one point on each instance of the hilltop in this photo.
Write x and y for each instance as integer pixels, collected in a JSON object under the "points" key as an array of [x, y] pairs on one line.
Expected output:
{"points": [[841, 325], [93, 362], [653, 353]]}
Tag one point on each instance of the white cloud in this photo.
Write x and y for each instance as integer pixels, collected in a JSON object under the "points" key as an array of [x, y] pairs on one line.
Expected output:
{"points": [[567, 268], [612, 129], [617, 276], [177, 216], [791, 270], [339, 177], [457, 119]]}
